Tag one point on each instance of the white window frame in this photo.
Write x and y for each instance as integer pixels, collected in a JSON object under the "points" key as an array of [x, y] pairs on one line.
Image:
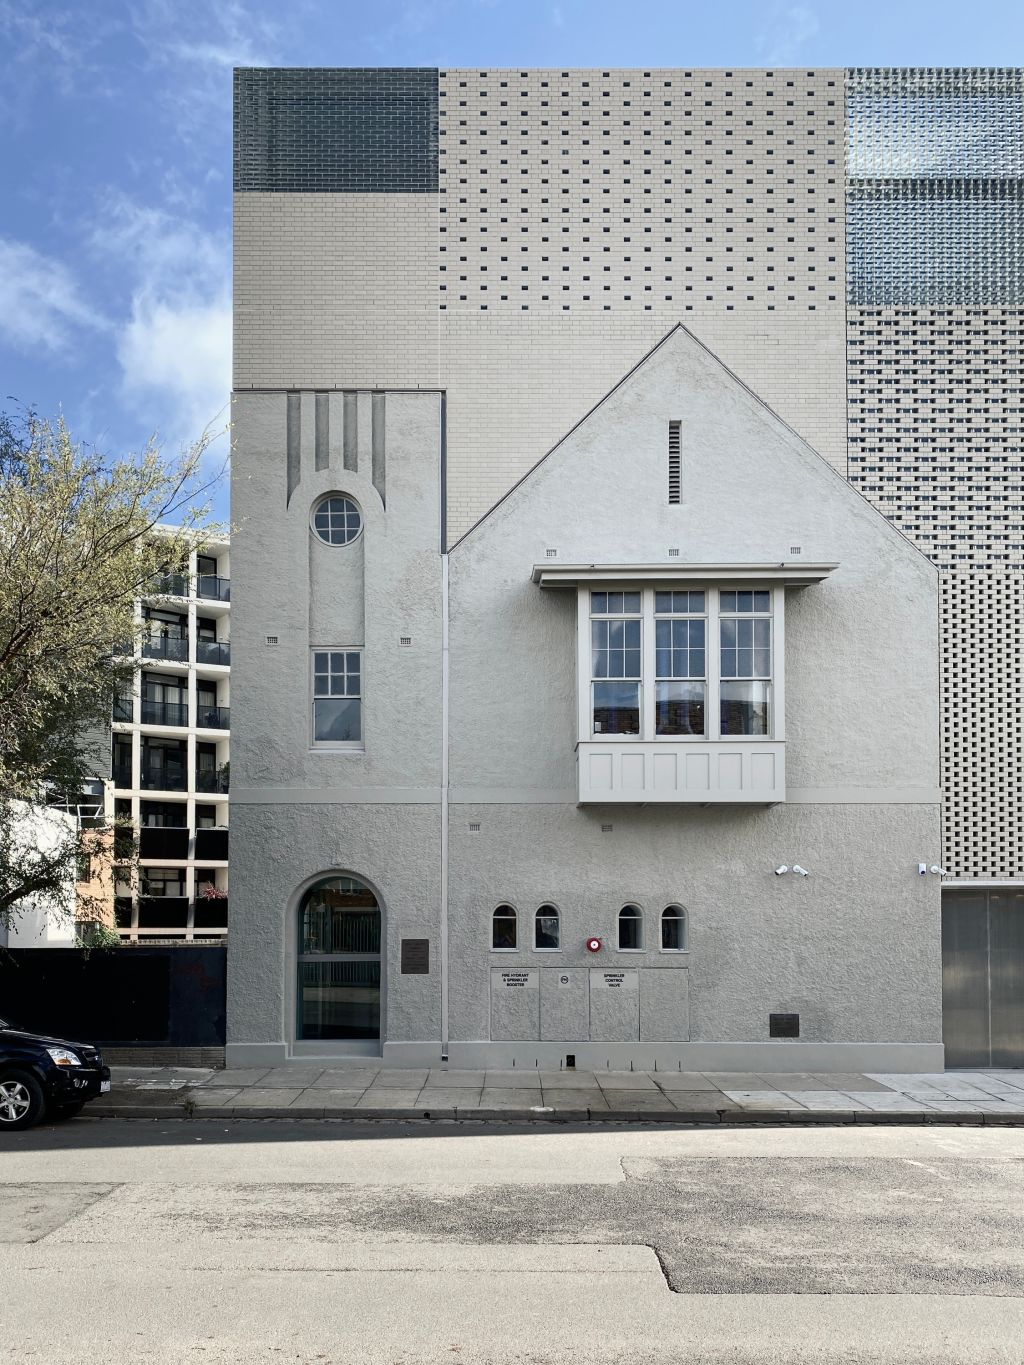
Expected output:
{"points": [[640, 917], [712, 634], [335, 544], [674, 905], [356, 746], [518, 924], [533, 932]]}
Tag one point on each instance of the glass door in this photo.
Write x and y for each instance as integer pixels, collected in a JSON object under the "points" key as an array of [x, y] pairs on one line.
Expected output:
{"points": [[339, 962]]}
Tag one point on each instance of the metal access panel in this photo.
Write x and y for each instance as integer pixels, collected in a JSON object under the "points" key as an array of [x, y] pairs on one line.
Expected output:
{"points": [[983, 978]]}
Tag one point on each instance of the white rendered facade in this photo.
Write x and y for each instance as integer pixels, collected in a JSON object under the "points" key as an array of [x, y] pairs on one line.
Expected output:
{"points": [[847, 242]]}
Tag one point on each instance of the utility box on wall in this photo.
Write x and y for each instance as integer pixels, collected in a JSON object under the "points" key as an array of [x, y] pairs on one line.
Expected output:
{"points": [[595, 1004]]}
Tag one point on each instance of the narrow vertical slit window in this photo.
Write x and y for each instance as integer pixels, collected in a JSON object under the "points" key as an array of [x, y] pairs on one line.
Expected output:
{"points": [[673, 462]]}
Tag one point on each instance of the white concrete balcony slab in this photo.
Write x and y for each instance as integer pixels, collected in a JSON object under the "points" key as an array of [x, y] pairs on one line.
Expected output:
{"points": [[736, 772]]}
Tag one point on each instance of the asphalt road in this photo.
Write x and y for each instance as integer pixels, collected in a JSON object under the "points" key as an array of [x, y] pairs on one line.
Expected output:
{"points": [[270, 1240]]}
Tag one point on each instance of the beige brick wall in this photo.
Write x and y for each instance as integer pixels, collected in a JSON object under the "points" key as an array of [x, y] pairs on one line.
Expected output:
{"points": [[585, 213], [335, 291]]}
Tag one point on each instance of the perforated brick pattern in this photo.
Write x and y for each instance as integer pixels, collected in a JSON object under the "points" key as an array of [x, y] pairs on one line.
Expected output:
{"points": [[936, 406], [584, 213], [982, 618]]}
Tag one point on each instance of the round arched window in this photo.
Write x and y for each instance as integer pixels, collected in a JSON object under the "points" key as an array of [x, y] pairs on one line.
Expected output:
{"points": [[673, 929], [337, 520], [631, 929]]}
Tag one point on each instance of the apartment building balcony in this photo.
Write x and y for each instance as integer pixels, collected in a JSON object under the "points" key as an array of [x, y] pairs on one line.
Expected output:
{"points": [[164, 713], [211, 846], [156, 842], [213, 588], [169, 585], [210, 915], [213, 718], [123, 710], [213, 652], [164, 777], [211, 780], [163, 912], [121, 774], [170, 647]]}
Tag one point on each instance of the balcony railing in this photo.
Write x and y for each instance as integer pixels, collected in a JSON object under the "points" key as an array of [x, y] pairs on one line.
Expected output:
{"points": [[213, 587], [123, 708], [211, 781], [166, 647], [164, 713], [212, 717], [212, 845], [169, 585], [122, 775], [164, 777], [213, 651], [163, 843], [210, 913]]}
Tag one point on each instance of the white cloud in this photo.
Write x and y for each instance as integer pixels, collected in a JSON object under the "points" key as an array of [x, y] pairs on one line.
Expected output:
{"points": [[788, 29], [174, 347], [41, 306]]}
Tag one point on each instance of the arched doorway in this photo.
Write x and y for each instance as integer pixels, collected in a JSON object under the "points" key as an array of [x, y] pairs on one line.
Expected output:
{"points": [[339, 961]]}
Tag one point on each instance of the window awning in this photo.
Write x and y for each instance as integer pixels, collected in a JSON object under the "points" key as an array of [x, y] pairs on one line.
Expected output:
{"points": [[792, 574]]}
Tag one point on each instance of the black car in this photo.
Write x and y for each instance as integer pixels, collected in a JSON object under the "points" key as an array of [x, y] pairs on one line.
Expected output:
{"points": [[45, 1076]]}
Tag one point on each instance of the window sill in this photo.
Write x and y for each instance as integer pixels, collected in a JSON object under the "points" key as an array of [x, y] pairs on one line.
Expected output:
{"points": [[505, 950], [747, 771]]}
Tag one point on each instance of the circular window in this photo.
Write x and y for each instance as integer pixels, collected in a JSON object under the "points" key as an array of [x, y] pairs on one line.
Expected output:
{"points": [[337, 520]]}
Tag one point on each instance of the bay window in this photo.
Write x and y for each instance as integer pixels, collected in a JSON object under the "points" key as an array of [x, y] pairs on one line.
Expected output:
{"points": [[683, 664]]}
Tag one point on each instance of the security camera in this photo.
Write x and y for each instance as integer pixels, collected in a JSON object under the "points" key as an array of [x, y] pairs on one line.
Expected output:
{"points": [[939, 871], [780, 870], [922, 868], [801, 871]]}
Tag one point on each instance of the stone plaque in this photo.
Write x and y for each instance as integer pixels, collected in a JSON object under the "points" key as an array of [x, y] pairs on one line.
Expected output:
{"points": [[614, 981], [514, 981], [415, 956]]}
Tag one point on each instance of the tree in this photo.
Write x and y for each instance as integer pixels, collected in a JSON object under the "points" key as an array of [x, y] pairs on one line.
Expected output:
{"points": [[82, 536]]}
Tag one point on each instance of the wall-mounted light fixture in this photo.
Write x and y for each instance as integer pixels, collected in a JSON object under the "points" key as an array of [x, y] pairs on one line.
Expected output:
{"points": [[800, 871]]}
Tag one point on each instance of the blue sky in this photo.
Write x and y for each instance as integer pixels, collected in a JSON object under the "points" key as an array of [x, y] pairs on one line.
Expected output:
{"points": [[115, 219]]}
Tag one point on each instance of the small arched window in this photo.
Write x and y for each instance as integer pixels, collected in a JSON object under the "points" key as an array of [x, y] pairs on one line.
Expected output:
{"points": [[545, 928], [631, 929], [503, 928], [673, 929]]}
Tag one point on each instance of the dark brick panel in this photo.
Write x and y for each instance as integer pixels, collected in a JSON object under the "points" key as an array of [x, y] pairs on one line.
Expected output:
{"points": [[351, 129]]}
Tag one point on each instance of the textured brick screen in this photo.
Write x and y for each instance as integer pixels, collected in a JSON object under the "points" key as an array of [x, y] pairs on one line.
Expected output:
{"points": [[351, 130]]}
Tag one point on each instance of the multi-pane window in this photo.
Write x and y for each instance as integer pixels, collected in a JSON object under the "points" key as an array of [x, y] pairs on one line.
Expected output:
{"points": [[631, 929], [680, 663], [337, 696], [545, 929], [503, 928], [337, 520], [673, 929], [746, 662], [616, 671]]}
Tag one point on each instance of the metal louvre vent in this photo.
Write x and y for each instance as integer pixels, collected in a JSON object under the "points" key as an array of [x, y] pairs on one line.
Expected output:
{"points": [[673, 461]]}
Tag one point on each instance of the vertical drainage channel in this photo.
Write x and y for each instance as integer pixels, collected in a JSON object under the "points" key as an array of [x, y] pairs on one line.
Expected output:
{"points": [[443, 471]]}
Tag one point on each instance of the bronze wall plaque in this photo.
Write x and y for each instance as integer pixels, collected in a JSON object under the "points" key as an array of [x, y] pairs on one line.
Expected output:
{"points": [[415, 956]]}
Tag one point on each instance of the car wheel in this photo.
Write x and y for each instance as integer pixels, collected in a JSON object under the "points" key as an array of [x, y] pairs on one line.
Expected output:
{"points": [[21, 1100], [65, 1111]]}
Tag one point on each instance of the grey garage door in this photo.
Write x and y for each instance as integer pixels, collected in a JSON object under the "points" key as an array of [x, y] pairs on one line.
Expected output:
{"points": [[983, 978]]}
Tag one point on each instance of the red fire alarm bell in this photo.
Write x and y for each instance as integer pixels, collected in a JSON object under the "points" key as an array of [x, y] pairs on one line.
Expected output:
{"points": [[593, 945]]}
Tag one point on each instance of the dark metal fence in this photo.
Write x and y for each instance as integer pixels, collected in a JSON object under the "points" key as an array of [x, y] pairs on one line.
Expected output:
{"points": [[126, 997]]}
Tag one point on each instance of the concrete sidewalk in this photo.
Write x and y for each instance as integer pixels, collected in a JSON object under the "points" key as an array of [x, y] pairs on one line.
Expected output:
{"points": [[364, 1092]]}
